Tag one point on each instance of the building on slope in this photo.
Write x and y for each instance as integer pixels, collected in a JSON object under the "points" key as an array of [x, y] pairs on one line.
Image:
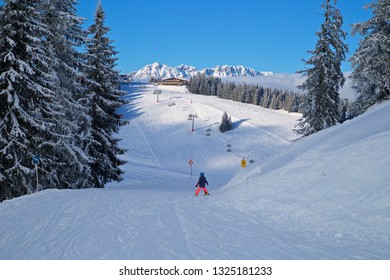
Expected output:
{"points": [[173, 82]]}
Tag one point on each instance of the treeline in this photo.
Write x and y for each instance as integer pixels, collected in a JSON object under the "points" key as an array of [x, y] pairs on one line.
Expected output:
{"points": [[270, 98], [59, 94]]}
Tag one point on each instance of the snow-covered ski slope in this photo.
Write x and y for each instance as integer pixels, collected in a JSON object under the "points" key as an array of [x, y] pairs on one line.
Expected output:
{"points": [[326, 196], [160, 140]]}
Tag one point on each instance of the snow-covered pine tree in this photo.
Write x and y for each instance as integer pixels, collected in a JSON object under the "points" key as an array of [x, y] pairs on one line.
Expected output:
{"points": [[28, 106], [258, 96], [266, 100], [65, 39], [1, 12], [204, 87], [193, 84], [226, 123], [214, 85], [2, 173], [104, 100], [371, 61], [325, 77]]}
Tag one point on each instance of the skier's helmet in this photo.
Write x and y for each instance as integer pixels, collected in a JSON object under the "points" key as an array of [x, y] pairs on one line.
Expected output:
{"points": [[201, 173]]}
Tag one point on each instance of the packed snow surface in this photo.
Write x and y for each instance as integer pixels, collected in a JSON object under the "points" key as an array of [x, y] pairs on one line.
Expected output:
{"points": [[326, 196]]}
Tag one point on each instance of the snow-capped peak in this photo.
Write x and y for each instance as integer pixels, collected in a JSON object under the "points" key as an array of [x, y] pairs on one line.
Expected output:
{"points": [[162, 71], [157, 70], [233, 71]]}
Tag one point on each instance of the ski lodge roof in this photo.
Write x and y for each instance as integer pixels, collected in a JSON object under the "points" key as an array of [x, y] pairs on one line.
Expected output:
{"points": [[173, 82]]}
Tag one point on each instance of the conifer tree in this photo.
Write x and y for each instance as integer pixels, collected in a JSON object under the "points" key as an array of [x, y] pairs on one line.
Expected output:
{"points": [[226, 123], [27, 100], [371, 61], [104, 100], [325, 77], [64, 40]]}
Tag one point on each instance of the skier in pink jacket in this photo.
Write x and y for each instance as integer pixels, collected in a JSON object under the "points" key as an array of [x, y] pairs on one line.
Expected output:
{"points": [[202, 182]]}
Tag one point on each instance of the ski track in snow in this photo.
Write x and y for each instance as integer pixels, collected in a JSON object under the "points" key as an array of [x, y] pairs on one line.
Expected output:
{"points": [[153, 214], [82, 227]]}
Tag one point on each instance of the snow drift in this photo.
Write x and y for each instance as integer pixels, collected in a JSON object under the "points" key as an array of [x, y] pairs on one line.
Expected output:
{"points": [[335, 183]]}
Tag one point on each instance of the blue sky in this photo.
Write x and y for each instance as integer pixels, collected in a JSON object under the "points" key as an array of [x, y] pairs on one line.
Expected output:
{"points": [[266, 35]]}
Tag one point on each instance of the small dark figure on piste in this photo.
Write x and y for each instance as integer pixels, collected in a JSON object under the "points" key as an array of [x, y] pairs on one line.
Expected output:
{"points": [[202, 182]]}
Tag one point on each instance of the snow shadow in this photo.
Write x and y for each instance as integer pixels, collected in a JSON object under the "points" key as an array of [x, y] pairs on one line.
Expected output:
{"points": [[131, 109], [238, 123], [207, 126]]}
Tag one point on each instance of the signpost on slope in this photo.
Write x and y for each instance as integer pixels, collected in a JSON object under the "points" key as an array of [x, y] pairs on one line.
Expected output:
{"points": [[157, 92], [190, 162]]}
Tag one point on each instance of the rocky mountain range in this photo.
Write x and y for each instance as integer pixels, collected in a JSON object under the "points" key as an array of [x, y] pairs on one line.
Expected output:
{"points": [[162, 71]]}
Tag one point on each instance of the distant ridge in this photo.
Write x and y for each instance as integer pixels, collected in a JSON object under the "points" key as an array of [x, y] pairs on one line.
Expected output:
{"points": [[162, 71]]}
